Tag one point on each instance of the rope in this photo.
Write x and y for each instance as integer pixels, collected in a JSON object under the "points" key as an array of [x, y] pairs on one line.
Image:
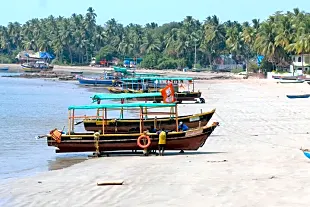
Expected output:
{"points": [[253, 135]]}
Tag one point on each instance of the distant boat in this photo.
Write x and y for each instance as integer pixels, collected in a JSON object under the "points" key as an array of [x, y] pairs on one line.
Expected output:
{"points": [[4, 68], [94, 81], [76, 72], [298, 96], [291, 81], [288, 77], [37, 66]]}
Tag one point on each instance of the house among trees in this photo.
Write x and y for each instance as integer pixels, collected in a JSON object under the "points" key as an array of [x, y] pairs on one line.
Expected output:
{"points": [[301, 63]]}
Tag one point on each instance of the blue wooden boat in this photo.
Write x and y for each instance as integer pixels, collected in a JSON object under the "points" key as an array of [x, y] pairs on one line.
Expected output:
{"points": [[307, 154], [298, 96], [4, 68], [95, 81]]}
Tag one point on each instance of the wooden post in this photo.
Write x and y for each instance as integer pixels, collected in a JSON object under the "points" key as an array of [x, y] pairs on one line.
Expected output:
{"points": [[177, 117], [97, 113], [145, 113], [69, 121], [141, 116], [103, 111], [72, 121]]}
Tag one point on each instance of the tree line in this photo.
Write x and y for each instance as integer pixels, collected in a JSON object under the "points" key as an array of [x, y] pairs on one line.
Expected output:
{"points": [[75, 40]]}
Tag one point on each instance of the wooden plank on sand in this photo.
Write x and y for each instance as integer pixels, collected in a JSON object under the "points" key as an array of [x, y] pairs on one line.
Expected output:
{"points": [[110, 183]]}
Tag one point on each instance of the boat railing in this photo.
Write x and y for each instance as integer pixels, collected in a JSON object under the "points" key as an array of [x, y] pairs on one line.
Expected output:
{"points": [[102, 113]]}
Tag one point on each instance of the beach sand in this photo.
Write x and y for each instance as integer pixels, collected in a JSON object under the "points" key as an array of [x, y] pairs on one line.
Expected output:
{"points": [[259, 136]]}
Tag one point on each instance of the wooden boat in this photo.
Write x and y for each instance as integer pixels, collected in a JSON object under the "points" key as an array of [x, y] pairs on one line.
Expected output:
{"points": [[132, 125], [4, 68], [298, 96], [76, 72], [288, 77], [307, 154], [291, 81], [155, 84], [103, 141], [95, 81]]}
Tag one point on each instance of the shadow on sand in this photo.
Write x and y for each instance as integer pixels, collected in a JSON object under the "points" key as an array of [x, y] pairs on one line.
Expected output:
{"points": [[68, 160]]}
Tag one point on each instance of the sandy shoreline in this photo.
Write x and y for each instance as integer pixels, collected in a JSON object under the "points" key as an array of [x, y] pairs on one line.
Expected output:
{"points": [[96, 70], [260, 134]]}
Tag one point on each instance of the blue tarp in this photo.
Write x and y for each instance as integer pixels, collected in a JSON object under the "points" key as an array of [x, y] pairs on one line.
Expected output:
{"points": [[259, 59], [45, 55]]}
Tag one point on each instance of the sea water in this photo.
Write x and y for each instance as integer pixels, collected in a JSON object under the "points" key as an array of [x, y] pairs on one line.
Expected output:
{"points": [[31, 107]]}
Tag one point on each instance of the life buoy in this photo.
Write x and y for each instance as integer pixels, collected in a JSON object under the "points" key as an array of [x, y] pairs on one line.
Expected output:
{"points": [[145, 145]]}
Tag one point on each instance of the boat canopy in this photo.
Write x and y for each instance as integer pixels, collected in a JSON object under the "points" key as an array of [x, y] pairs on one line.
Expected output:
{"points": [[157, 78], [109, 96], [146, 74], [127, 105], [121, 70]]}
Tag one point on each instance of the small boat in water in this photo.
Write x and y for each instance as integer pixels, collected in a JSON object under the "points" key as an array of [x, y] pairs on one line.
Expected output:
{"points": [[298, 96], [96, 81], [4, 68]]}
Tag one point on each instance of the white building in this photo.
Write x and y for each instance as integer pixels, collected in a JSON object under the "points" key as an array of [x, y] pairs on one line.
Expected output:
{"points": [[301, 63]]}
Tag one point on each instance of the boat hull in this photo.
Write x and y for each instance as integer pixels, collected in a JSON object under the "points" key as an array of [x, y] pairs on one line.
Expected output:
{"points": [[190, 140], [291, 81], [132, 125], [298, 96], [4, 69], [180, 96], [94, 81]]}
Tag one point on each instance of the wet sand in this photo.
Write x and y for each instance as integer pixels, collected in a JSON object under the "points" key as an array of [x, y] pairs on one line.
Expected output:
{"points": [[260, 134]]}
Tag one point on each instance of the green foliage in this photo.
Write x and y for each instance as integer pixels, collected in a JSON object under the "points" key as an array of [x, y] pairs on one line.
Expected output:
{"points": [[252, 66], [75, 40], [106, 53], [168, 63], [198, 66], [149, 61], [237, 70]]}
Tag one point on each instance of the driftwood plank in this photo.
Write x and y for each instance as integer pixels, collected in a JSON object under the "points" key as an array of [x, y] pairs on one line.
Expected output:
{"points": [[110, 183]]}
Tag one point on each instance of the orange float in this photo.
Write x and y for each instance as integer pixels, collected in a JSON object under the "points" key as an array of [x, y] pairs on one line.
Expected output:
{"points": [[145, 145]]}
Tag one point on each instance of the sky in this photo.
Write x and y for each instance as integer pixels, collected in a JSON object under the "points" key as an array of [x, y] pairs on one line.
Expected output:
{"points": [[146, 11]]}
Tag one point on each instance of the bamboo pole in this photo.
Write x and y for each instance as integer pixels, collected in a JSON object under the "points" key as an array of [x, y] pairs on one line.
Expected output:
{"points": [[141, 116], [103, 120], [69, 121], [177, 117], [72, 121]]}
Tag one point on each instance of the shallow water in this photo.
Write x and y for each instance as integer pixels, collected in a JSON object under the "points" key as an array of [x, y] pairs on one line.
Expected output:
{"points": [[31, 107]]}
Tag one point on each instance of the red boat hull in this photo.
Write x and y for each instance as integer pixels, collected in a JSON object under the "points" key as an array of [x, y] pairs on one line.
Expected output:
{"points": [[190, 140]]}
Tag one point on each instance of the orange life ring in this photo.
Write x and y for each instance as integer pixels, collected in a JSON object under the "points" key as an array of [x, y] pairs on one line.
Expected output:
{"points": [[144, 137]]}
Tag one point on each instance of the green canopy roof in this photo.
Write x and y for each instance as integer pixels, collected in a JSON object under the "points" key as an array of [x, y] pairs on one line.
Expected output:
{"points": [[146, 74], [157, 78], [128, 105], [110, 96], [121, 70]]}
